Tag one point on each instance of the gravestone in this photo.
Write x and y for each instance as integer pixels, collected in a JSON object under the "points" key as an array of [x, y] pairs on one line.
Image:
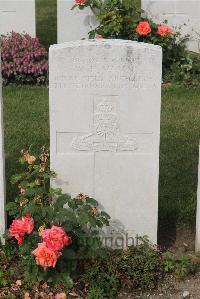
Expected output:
{"points": [[18, 16], [73, 24], [197, 243], [182, 15], [105, 127], [2, 179]]}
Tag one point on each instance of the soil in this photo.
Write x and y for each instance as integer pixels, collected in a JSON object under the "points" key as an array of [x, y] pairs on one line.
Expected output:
{"points": [[170, 289]]}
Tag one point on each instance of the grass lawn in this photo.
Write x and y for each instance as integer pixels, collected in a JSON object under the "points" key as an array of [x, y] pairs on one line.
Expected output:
{"points": [[26, 123], [180, 134], [46, 16]]}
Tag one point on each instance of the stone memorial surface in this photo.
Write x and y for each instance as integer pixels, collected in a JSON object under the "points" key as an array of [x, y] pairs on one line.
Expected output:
{"points": [[2, 179], [105, 127], [73, 24], [18, 16], [180, 14], [197, 243]]}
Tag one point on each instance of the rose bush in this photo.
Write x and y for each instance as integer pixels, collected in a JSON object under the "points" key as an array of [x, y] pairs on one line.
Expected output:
{"points": [[23, 59], [121, 19], [53, 231]]}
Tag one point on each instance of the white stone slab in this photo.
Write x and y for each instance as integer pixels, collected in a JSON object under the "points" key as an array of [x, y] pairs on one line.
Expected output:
{"points": [[73, 24], [197, 243], [183, 15], [18, 16], [2, 178], [105, 127]]}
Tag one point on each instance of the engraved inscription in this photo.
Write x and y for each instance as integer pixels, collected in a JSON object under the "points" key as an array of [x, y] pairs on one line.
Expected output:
{"points": [[105, 71], [106, 134]]}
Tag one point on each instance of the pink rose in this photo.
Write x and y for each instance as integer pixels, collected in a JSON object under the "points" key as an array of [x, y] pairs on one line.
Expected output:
{"points": [[164, 30], [20, 227], [45, 257], [56, 238], [143, 28], [22, 191]]}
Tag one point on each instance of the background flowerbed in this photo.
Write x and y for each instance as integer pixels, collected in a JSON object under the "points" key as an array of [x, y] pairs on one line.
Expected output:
{"points": [[23, 59]]}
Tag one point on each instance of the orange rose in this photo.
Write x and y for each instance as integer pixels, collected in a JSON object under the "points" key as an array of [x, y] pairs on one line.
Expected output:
{"points": [[164, 30], [45, 257], [56, 238], [143, 28]]}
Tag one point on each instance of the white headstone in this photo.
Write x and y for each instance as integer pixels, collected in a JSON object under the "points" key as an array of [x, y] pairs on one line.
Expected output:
{"points": [[197, 243], [18, 16], [178, 13], [73, 24], [105, 127], [2, 178]]}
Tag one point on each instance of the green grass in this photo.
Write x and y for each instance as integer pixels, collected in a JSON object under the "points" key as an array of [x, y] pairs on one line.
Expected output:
{"points": [[180, 134], [46, 15], [26, 123]]}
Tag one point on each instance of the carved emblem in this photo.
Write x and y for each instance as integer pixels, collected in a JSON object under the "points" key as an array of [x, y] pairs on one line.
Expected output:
{"points": [[106, 134]]}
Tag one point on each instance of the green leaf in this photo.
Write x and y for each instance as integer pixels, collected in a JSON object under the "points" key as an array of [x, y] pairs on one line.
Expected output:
{"points": [[17, 177], [104, 214], [12, 208], [92, 201], [60, 202], [83, 218]]}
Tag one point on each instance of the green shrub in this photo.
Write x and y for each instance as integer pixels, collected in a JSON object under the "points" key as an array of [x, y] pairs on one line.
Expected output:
{"points": [[180, 265], [139, 266]]}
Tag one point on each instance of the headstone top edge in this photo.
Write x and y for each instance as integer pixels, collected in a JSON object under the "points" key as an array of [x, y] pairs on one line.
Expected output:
{"points": [[105, 42]]}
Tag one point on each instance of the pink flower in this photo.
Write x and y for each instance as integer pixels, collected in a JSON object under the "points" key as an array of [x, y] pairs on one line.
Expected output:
{"points": [[80, 2], [56, 238], [20, 227], [164, 30], [45, 257], [22, 191], [143, 28]]}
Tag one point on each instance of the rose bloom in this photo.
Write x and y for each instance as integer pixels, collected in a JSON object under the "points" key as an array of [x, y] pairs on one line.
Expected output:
{"points": [[143, 28], [45, 257], [56, 238], [20, 227], [28, 158], [164, 30], [80, 2]]}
